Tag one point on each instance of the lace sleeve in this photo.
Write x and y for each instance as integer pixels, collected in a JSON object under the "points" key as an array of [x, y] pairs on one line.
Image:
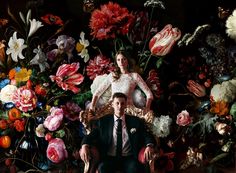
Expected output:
{"points": [[143, 86], [103, 86]]}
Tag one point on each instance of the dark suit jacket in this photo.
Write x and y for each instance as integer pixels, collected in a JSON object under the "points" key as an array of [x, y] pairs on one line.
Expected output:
{"points": [[102, 134]]}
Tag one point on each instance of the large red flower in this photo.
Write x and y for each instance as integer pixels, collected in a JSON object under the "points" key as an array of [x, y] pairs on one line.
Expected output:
{"points": [[98, 66], [109, 21], [66, 77]]}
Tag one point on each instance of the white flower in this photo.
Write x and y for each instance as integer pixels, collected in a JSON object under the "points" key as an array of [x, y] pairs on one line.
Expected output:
{"points": [[81, 47], [15, 47], [40, 130], [40, 59], [226, 91], [231, 25], [105, 97], [34, 26], [139, 99], [7, 93], [161, 126], [133, 130]]}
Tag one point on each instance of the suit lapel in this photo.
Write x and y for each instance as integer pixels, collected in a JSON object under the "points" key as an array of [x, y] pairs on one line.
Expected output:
{"points": [[128, 125]]}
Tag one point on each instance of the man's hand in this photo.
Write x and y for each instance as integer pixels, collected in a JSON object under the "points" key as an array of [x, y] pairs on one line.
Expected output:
{"points": [[148, 153], [85, 153]]}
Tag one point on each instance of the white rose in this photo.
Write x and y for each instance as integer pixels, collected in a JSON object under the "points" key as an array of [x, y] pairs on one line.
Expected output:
{"points": [[225, 91], [105, 97], [7, 93]]}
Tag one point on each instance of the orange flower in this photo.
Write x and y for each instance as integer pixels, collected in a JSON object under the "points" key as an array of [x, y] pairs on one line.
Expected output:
{"points": [[3, 124], [220, 108], [14, 114], [19, 125], [12, 74]]}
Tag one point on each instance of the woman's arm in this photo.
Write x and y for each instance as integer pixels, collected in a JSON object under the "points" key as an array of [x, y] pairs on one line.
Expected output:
{"points": [[143, 86]]}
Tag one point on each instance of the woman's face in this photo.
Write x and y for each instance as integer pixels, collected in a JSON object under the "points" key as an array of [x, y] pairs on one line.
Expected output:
{"points": [[121, 61]]}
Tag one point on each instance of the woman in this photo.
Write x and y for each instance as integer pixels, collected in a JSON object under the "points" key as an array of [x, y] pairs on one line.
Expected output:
{"points": [[123, 81]]}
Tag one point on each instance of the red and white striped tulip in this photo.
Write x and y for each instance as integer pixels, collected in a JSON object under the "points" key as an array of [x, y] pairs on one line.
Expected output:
{"points": [[163, 41]]}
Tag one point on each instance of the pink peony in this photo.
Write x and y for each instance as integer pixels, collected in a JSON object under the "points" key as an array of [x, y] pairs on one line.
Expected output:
{"points": [[54, 120], [66, 77], [183, 118], [24, 99], [56, 151], [162, 43]]}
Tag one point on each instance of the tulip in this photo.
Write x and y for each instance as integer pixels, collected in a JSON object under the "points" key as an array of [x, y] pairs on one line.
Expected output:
{"points": [[163, 41], [197, 89]]}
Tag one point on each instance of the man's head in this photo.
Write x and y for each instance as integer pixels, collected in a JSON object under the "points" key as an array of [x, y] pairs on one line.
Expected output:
{"points": [[119, 103]]}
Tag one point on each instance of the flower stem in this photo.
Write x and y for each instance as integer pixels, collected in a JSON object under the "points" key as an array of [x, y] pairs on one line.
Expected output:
{"points": [[149, 26], [147, 62]]}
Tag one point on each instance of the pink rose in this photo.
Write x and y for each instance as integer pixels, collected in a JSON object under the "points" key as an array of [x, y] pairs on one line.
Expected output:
{"points": [[54, 120], [24, 99], [183, 118], [56, 151], [164, 40]]}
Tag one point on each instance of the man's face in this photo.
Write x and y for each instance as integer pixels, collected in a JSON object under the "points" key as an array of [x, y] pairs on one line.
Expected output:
{"points": [[119, 104]]}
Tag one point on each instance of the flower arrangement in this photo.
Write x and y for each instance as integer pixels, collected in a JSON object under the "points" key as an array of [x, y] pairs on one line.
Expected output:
{"points": [[48, 76]]}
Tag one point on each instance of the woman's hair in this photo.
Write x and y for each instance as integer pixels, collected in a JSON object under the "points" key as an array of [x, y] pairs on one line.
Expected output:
{"points": [[117, 73]]}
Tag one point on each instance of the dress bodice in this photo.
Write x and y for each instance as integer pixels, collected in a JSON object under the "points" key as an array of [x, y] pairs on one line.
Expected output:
{"points": [[125, 84]]}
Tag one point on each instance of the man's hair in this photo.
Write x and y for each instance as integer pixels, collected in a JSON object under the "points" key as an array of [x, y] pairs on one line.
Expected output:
{"points": [[119, 95]]}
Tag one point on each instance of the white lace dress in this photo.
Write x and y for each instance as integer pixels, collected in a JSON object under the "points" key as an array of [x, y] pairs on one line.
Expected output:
{"points": [[126, 84]]}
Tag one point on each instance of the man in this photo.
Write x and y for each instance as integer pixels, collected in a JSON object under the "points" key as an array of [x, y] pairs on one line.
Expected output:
{"points": [[119, 138]]}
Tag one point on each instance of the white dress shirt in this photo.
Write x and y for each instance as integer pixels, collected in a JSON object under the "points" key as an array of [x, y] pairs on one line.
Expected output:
{"points": [[126, 147]]}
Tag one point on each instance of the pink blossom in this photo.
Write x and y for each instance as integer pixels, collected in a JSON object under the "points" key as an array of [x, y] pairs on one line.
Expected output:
{"points": [[183, 118], [24, 99], [66, 77], [56, 151], [54, 120], [164, 40]]}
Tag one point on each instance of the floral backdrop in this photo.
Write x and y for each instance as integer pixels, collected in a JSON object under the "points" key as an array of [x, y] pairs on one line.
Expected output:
{"points": [[50, 64]]}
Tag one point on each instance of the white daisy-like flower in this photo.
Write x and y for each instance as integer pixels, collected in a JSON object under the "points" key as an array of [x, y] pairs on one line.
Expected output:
{"points": [[34, 26], [231, 25], [16, 47], [161, 126], [81, 47]]}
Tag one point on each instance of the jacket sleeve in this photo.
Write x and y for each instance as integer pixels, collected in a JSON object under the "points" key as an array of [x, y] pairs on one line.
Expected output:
{"points": [[147, 135], [92, 136]]}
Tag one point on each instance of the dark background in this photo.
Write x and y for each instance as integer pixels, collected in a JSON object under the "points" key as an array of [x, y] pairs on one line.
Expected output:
{"points": [[185, 14]]}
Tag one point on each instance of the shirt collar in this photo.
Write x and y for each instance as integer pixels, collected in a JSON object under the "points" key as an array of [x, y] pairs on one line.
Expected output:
{"points": [[122, 118]]}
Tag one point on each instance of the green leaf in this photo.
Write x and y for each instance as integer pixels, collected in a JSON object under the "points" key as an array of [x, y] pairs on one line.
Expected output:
{"points": [[219, 157], [60, 133], [159, 62]]}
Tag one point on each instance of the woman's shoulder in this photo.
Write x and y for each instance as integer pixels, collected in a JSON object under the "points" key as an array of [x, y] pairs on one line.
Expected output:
{"points": [[135, 75]]}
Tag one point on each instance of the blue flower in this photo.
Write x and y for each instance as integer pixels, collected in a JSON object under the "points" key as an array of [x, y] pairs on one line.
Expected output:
{"points": [[4, 82]]}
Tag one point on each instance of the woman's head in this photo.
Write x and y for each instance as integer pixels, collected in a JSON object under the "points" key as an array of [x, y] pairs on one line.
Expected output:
{"points": [[122, 60]]}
